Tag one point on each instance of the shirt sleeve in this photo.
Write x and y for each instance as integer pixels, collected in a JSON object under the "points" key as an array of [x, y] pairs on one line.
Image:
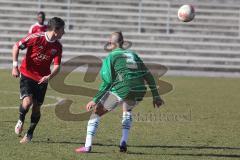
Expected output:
{"points": [[58, 57], [107, 79], [149, 78], [26, 42]]}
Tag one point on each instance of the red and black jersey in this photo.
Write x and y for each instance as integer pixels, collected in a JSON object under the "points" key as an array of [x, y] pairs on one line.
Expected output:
{"points": [[40, 54]]}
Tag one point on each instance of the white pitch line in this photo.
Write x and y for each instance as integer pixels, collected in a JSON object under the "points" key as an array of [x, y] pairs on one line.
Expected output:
{"points": [[58, 100]]}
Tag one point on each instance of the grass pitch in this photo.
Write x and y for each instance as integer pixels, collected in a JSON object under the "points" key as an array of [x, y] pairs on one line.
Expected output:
{"points": [[200, 120]]}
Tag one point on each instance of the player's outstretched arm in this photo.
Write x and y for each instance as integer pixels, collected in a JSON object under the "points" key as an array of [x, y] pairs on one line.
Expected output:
{"points": [[157, 100], [15, 53]]}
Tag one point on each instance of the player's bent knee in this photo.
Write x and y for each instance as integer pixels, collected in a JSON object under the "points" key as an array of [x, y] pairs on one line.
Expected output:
{"points": [[27, 102]]}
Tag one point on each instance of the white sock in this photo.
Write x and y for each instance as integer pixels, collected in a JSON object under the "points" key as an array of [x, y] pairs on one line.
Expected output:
{"points": [[91, 129], [126, 125]]}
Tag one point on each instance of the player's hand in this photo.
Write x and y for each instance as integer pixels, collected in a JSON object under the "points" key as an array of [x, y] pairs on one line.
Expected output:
{"points": [[90, 105], [44, 79], [15, 72], [157, 102]]}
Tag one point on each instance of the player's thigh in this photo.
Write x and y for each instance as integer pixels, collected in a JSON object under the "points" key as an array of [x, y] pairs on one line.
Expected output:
{"points": [[26, 91], [128, 105], [100, 110], [39, 93], [110, 101]]}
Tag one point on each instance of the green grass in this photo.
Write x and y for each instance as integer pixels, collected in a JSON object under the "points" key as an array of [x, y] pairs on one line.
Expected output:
{"points": [[200, 120]]}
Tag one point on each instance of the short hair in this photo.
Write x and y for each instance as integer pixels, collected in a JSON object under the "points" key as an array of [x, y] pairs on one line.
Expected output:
{"points": [[55, 23], [42, 14]]}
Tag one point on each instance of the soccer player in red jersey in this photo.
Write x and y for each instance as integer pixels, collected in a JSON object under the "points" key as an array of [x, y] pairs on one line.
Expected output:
{"points": [[39, 26], [34, 72]]}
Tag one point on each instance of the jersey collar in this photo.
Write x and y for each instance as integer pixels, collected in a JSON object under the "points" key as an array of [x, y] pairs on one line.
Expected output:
{"points": [[48, 40], [40, 24], [117, 49]]}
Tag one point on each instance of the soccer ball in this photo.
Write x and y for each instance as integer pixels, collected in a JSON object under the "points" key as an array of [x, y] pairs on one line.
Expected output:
{"points": [[186, 13]]}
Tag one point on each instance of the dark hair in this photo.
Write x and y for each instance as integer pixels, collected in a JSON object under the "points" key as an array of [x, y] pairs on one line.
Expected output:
{"points": [[120, 38], [42, 14], [55, 23]]}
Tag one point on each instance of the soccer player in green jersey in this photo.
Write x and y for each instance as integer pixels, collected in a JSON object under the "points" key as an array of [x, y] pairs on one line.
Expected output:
{"points": [[123, 76]]}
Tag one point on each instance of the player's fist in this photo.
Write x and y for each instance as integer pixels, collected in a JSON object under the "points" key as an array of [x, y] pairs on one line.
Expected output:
{"points": [[90, 105], [44, 79], [15, 72], [157, 102]]}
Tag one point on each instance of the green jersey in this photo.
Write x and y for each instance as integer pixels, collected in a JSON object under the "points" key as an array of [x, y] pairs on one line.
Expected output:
{"points": [[124, 74]]}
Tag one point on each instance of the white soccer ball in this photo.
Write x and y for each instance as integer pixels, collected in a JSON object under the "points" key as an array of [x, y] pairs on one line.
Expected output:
{"points": [[186, 13]]}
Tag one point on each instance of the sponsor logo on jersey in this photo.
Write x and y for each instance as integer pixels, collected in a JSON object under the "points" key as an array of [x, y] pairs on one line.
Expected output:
{"points": [[42, 57]]}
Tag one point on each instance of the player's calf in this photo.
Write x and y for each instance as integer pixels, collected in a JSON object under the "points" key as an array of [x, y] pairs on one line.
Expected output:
{"points": [[35, 117]]}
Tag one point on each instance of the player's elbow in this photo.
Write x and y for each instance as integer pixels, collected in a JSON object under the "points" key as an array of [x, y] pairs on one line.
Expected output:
{"points": [[57, 68], [15, 47]]}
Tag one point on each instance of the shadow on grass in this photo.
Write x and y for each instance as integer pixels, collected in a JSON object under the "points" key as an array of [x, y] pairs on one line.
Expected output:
{"points": [[65, 142], [143, 146], [68, 142], [190, 154], [160, 147], [57, 142], [185, 147]]}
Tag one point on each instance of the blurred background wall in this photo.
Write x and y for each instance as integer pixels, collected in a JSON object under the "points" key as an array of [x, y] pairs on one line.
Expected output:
{"points": [[207, 46]]}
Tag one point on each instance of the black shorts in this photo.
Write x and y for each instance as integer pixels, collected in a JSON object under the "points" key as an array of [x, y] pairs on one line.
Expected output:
{"points": [[29, 87]]}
